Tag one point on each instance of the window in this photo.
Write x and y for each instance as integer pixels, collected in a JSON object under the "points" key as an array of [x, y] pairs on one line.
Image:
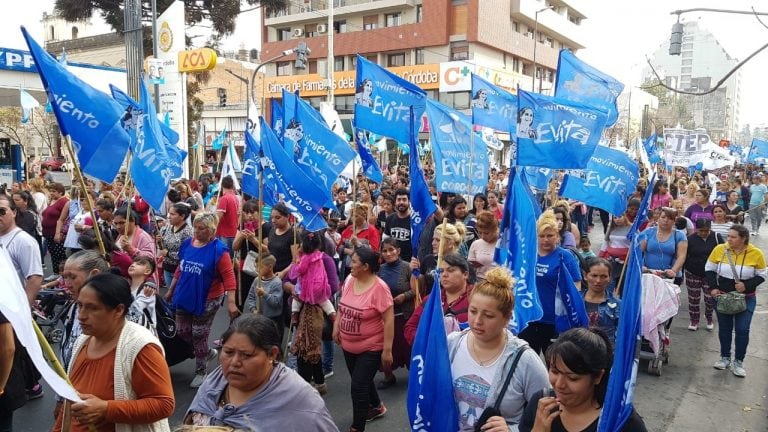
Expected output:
{"points": [[310, 30], [370, 22], [516, 26], [419, 13], [373, 58], [340, 26], [283, 68], [338, 63], [397, 59], [393, 19], [687, 62], [75, 32], [517, 65], [549, 41], [456, 100], [353, 62], [686, 70], [53, 33], [344, 104], [283, 34], [459, 51], [687, 46], [418, 56], [687, 54], [312, 66]]}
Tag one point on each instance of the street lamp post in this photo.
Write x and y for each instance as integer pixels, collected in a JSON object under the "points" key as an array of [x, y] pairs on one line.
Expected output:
{"points": [[535, 44]]}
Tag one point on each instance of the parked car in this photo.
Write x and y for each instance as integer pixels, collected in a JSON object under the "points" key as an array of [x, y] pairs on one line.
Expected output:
{"points": [[55, 163]]}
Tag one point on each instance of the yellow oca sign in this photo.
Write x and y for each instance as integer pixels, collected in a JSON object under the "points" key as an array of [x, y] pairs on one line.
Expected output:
{"points": [[197, 60]]}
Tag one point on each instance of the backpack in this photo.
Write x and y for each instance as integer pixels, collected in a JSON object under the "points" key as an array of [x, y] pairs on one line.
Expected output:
{"points": [[165, 318]]}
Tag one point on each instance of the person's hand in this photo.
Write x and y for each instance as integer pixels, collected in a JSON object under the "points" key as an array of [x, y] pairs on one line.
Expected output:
{"points": [[249, 234], [91, 410], [715, 293], [399, 299], [79, 227], [415, 263], [546, 411], [740, 287], [355, 242], [669, 273], [386, 359], [337, 336], [260, 292], [168, 296], [495, 424], [149, 290], [124, 243], [57, 238], [232, 309]]}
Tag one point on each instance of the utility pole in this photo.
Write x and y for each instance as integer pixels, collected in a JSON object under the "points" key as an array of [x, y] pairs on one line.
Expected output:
{"points": [[331, 60], [134, 48], [154, 51]]}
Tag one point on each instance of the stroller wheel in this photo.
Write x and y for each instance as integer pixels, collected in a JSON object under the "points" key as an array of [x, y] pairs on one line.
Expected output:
{"points": [[55, 336], [654, 367], [665, 356]]}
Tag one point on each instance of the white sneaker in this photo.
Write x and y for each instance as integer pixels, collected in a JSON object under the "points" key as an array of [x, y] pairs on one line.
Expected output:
{"points": [[197, 381], [722, 364], [693, 327], [212, 353], [738, 369], [710, 326]]}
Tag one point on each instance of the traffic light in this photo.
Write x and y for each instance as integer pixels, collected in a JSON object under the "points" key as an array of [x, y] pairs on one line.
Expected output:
{"points": [[301, 56], [676, 40], [222, 97]]}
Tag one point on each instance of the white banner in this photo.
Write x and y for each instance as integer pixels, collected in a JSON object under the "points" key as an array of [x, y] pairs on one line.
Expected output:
{"points": [[170, 34], [718, 157], [685, 148]]}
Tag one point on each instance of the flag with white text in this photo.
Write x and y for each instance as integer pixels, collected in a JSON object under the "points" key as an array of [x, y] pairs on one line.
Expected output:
{"points": [[493, 106]]}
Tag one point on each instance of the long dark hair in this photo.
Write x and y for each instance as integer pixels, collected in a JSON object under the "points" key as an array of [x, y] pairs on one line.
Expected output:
{"points": [[585, 352]]}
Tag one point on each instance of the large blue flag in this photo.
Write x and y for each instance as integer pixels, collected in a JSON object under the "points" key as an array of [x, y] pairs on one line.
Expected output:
{"points": [[91, 118], [431, 403], [251, 166], [538, 177], [606, 183], [383, 102], [155, 161], [556, 133], [292, 186], [278, 116], [218, 142], [319, 152], [582, 83], [570, 311], [370, 166], [492, 106], [642, 212], [422, 205], [457, 153], [652, 150], [758, 149], [621, 383], [518, 249]]}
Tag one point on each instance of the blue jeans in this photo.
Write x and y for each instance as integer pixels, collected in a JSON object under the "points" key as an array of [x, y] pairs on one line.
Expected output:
{"points": [[167, 277], [327, 356], [228, 241], [740, 324]]}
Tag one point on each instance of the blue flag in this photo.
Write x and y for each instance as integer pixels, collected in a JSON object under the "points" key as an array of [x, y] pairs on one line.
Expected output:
{"points": [[538, 177], [251, 166], [383, 102], [319, 152], [570, 311], [299, 192], [606, 183], [556, 133], [518, 249], [277, 118], [652, 150], [370, 167], [431, 403], [758, 149], [621, 383], [28, 104], [457, 153], [642, 212], [91, 118], [422, 205], [218, 142], [582, 83], [155, 161], [492, 106]]}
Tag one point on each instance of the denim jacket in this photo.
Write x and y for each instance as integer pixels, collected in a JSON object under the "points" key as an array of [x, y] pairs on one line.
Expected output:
{"points": [[608, 315]]}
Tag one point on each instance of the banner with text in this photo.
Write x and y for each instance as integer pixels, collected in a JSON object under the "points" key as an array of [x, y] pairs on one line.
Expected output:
{"points": [[685, 148]]}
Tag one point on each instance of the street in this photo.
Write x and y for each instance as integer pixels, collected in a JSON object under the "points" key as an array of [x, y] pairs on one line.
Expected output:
{"points": [[690, 395]]}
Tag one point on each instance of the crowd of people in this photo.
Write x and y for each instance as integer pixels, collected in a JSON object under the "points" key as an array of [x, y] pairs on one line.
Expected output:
{"points": [[291, 294]]}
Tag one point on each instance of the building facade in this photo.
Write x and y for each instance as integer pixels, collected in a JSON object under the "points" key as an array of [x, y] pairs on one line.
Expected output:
{"points": [[701, 64], [433, 43]]}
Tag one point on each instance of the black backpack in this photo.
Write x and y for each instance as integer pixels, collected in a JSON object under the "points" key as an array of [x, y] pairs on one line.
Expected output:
{"points": [[176, 349]]}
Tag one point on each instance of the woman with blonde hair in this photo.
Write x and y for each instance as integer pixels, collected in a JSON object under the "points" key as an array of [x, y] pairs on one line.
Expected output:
{"points": [[551, 257], [494, 373], [689, 197], [454, 236]]}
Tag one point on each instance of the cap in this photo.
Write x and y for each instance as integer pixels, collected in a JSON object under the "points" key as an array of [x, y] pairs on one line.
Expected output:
{"points": [[702, 223]]}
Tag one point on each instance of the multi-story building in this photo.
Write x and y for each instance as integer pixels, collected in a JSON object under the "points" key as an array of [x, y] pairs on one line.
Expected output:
{"points": [[433, 43], [701, 63]]}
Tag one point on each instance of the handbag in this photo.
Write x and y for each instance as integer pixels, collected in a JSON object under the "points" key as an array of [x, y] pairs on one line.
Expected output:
{"points": [[493, 411], [734, 302], [249, 265]]}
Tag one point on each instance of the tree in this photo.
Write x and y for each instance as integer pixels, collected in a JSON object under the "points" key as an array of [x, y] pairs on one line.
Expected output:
{"points": [[41, 128], [673, 110]]}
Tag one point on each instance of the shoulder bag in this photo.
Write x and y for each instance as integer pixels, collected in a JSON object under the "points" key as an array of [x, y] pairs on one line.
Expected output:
{"points": [[493, 411], [733, 302]]}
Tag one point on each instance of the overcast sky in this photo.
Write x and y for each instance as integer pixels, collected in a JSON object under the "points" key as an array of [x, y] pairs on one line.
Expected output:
{"points": [[618, 35]]}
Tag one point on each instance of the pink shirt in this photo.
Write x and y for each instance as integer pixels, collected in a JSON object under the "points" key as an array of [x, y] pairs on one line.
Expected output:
{"points": [[362, 316], [660, 200]]}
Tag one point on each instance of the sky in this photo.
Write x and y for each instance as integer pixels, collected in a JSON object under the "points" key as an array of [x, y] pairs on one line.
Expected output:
{"points": [[618, 35]]}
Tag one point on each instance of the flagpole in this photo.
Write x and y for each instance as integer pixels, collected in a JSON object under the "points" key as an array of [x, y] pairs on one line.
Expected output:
{"points": [[88, 198], [471, 159]]}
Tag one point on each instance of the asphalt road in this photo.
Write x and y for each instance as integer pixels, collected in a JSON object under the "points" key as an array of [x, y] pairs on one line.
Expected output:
{"points": [[690, 395]]}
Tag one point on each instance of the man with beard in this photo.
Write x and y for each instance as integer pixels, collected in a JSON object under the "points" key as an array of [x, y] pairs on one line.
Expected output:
{"points": [[398, 224]]}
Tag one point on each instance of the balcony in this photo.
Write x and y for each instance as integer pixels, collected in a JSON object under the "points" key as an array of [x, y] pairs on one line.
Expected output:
{"points": [[310, 10], [555, 20], [523, 46]]}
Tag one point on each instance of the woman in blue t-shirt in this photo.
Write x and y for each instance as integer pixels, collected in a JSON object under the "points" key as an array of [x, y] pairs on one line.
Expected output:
{"points": [[540, 334], [664, 247]]}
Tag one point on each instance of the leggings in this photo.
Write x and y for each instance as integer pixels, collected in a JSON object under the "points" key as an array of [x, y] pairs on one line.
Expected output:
{"points": [[195, 330], [698, 286], [362, 368], [58, 254]]}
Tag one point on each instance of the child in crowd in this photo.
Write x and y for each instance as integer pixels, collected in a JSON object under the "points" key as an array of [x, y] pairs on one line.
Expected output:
{"points": [[142, 310], [268, 299], [585, 248], [333, 235], [312, 284]]}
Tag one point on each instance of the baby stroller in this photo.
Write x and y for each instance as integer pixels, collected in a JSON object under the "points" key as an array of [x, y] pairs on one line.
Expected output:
{"points": [[48, 311], [660, 304]]}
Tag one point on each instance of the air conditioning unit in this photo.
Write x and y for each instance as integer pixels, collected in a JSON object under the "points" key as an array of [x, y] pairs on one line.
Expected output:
{"points": [[322, 28], [298, 32]]}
